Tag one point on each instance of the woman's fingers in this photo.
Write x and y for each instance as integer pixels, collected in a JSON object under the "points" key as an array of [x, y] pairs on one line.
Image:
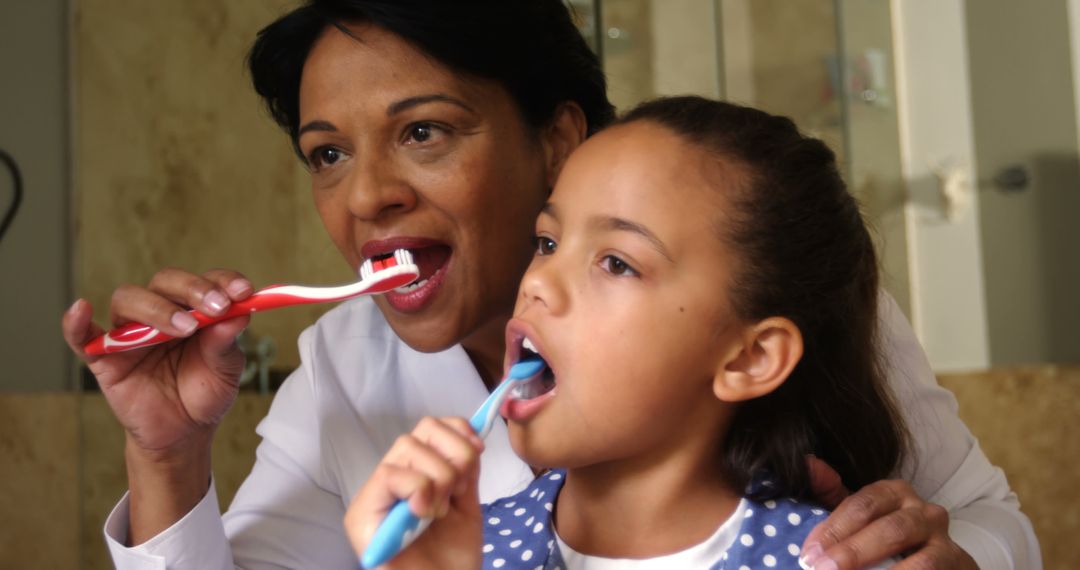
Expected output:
{"points": [[210, 293], [163, 304], [231, 283], [825, 483], [882, 520], [78, 327]]}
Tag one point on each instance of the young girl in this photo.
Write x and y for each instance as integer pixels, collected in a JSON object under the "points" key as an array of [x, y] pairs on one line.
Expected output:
{"points": [[704, 294]]}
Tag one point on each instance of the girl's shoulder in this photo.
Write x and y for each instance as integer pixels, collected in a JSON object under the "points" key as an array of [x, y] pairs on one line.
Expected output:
{"points": [[771, 533], [517, 529]]}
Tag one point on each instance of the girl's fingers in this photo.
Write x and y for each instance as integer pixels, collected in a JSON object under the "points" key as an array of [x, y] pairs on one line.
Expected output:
{"points": [[386, 486], [411, 453], [453, 438]]}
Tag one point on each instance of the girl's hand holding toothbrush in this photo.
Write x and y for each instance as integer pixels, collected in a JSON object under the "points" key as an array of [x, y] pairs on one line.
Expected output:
{"points": [[437, 469]]}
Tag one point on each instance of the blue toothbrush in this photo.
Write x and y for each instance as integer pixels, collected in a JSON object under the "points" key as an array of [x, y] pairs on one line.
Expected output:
{"points": [[401, 526]]}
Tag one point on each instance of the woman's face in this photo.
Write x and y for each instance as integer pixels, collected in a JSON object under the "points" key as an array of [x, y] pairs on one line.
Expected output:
{"points": [[405, 153]]}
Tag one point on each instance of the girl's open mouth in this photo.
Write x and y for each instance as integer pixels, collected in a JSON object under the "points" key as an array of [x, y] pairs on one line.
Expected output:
{"points": [[528, 397], [538, 386]]}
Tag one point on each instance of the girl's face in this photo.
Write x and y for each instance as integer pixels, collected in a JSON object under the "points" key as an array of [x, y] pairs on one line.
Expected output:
{"points": [[404, 153], [627, 301]]}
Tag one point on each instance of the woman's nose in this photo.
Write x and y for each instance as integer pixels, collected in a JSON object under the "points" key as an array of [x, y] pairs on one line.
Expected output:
{"points": [[377, 190]]}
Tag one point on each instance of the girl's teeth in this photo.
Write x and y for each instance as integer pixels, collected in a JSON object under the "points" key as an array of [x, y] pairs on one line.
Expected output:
{"points": [[411, 288], [528, 345]]}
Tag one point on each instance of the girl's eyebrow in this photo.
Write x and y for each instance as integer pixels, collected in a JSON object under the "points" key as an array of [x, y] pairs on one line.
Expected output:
{"points": [[613, 223]]}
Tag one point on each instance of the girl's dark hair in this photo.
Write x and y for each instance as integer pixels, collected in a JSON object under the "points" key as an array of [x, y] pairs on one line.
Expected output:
{"points": [[530, 47], [805, 254]]}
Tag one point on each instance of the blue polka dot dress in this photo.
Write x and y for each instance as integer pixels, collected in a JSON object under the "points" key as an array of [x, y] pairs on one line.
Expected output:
{"points": [[518, 531]]}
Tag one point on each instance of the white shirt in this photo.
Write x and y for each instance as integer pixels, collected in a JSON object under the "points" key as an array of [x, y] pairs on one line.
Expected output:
{"points": [[358, 387], [701, 555]]}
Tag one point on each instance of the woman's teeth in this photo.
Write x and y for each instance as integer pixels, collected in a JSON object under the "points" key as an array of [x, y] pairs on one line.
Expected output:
{"points": [[528, 345], [410, 288]]}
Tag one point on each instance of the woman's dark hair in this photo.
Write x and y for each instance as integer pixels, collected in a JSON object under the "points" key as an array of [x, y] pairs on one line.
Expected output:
{"points": [[530, 47], [804, 254]]}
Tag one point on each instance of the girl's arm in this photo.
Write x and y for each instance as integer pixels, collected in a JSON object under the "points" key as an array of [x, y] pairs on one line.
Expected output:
{"points": [[952, 507], [437, 469]]}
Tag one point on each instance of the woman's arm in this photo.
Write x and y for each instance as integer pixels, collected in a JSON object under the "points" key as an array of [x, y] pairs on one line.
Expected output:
{"points": [[946, 472], [285, 513]]}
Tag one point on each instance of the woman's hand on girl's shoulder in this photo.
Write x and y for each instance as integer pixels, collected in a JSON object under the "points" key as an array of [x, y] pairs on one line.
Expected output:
{"points": [[167, 394], [436, 468], [883, 520]]}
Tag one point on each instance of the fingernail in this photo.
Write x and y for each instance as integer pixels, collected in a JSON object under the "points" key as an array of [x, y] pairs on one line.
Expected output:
{"points": [[825, 564], [184, 322], [810, 555], [216, 301], [238, 287], [74, 306]]}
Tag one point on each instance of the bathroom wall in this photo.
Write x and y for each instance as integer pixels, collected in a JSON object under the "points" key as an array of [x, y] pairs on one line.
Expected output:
{"points": [[35, 252], [1007, 409], [177, 163], [1024, 114]]}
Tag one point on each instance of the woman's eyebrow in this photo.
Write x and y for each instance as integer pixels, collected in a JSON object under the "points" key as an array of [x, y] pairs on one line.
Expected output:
{"points": [[411, 102], [612, 223], [316, 126]]}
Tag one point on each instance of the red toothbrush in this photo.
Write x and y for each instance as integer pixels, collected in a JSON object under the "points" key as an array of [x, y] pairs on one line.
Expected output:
{"points": [[377, 275]]}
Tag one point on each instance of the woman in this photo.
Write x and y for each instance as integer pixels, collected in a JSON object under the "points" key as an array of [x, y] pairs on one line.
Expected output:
{"points": [[439, 127]]}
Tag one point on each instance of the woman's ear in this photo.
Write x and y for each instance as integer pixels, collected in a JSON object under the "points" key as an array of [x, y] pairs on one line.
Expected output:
{"points": [[761, 360], [565, 133]]}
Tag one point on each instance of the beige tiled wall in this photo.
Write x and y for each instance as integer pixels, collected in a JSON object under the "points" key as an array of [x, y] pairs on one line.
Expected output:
{"points": [[105, 480], [177, 163], [39, 480], [1026, 420]]}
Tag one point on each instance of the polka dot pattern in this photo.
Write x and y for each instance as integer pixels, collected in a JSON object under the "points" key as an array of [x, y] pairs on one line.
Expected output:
{"points": [[518, 534]]}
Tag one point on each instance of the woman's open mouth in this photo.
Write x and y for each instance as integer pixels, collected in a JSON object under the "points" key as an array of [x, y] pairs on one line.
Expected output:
{"points": [[433, 262]]}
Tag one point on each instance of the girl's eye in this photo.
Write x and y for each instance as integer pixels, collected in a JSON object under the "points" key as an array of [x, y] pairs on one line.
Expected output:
{"points": [[324, 156], [616, 266], [544, 245]]}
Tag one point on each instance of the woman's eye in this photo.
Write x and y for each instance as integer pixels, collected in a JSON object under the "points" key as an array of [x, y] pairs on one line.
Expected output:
{"points": [[324, 156], [421, 133], [616, 266], [544, 245]]}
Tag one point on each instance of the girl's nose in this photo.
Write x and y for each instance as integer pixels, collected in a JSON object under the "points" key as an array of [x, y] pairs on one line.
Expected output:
{"points": [[377, 190], [545, 285]]}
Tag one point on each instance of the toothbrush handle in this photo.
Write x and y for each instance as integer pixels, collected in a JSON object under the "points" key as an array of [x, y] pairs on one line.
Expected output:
{"points": [[398, 530], [138, 335], [401, 526]]}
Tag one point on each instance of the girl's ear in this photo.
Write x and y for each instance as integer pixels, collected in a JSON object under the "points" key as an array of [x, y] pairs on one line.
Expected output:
{"points": [[566, 132], [760, 362]]}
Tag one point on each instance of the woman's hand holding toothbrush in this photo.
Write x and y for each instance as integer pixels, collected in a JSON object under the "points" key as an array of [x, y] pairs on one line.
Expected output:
{"points": [[170, 397], [437, 469]]}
